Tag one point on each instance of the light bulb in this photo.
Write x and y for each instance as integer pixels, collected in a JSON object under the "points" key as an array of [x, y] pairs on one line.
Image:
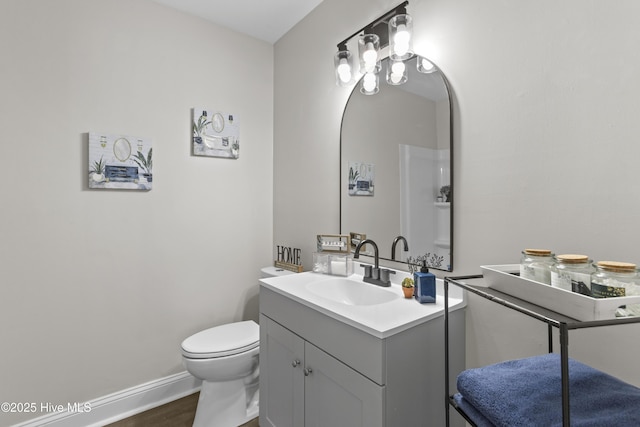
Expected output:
{"points": [[396, 77], [344, 67], [398, 68], [400, 29], [402, 35], [344, 71], [370, 56], [368, 46], [369, 77], [345, 77], [369, 83], [369, 86], [401, 49], [425, 66]]}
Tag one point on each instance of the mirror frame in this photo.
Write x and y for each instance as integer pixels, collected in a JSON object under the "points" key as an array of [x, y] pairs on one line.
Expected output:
{"points": [[411, 267]]}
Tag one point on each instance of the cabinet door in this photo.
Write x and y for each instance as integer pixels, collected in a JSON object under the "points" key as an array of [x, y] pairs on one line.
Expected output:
{"points": [[281, 376], [338, 396]]}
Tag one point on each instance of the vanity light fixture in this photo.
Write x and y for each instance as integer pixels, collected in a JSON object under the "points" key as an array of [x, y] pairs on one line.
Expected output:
{"points": [[393, 29]]}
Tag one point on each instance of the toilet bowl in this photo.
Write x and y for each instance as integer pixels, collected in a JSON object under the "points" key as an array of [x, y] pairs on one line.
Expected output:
{"points": [[225, 358]]}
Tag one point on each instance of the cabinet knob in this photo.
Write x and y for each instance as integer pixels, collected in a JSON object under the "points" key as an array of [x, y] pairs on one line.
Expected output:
{"points": [[307, 372], [295, 363]]}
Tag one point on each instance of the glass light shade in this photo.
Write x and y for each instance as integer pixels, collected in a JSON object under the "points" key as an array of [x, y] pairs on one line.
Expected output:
{"points": [[425, 66], [343, 64], [396, 72], [369, 53], [400, 37], [369, 84]]}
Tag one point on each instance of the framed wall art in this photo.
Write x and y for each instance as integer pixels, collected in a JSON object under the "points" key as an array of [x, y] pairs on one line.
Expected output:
{"points": [[120, 162], [361, 179], [215, 133]]}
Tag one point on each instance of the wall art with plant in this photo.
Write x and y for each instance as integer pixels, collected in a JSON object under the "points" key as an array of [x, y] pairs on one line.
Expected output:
{"points": [[120, 162], [215, 133], [361, 179]]}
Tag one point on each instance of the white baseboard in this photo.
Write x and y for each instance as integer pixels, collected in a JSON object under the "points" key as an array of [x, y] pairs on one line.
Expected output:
{"points": [[120, 405]]}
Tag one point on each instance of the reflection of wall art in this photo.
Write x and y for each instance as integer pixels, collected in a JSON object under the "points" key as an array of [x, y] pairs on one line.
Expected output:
{"points": [[361, 179], [215, 134], [120, 162]]}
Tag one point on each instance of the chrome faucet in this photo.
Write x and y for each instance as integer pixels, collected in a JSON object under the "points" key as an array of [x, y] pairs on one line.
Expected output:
{"points": [[395, 243], [376, 275]]}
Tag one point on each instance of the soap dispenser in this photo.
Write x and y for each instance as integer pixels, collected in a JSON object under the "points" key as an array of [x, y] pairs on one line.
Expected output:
{"points": [[425, 285]]}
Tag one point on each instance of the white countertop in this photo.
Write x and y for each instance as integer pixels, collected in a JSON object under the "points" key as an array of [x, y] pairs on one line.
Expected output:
{"points": [[381, 320]]}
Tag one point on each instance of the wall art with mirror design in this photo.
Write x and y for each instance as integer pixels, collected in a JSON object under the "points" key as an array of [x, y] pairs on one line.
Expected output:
{"points": [[406, 131], [361, 179], [215, 133], [120, 162]]}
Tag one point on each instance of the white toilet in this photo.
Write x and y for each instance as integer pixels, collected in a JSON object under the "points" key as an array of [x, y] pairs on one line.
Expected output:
{"points": [[226, 359]]}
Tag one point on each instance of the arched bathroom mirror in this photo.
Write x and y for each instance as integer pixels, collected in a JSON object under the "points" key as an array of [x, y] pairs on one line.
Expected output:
{"points": [[402, 138]]}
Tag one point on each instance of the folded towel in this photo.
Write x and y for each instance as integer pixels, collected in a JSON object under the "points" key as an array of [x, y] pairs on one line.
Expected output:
{"points": [[478, 419], [528, 392]]}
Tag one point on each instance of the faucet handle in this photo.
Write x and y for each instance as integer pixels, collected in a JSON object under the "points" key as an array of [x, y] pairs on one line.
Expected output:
{"points": [[367, 270], [384, 275]]}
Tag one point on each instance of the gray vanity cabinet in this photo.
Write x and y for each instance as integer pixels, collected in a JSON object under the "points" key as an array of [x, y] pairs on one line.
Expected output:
{"points": [[302, 385], [281, 376], [317, 370]]}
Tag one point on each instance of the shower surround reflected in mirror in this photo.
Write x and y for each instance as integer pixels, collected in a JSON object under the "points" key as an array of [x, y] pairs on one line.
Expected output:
{"points": [[405, 131]]}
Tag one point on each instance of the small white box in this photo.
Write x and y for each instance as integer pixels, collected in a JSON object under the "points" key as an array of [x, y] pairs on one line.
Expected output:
{"points": [[503, 278]]}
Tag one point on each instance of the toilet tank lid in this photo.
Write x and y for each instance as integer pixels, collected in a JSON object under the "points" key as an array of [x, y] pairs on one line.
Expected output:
{"points": [[273, 271], [223, 338]]}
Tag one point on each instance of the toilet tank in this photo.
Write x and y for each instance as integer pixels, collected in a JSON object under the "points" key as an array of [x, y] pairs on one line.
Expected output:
{"points": [[273, 271]]}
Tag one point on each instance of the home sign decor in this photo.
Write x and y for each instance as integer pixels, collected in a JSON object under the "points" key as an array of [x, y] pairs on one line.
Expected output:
{"points": [[288, 259]]}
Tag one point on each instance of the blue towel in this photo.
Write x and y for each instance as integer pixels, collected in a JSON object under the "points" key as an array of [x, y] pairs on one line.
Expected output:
{"points": [[528, 392], [478, 419]]}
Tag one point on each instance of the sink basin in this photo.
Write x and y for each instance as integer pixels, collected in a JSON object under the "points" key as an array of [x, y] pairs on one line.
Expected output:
{"points": [[376, 310], [351, 292]]}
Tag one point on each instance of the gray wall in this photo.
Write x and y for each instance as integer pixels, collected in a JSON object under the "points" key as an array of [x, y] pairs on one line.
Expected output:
{"points": [[99, 288], [546, 99]]}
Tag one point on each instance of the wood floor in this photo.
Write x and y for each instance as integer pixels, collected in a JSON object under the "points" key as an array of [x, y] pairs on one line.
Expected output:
{"points": [[179, 413]]}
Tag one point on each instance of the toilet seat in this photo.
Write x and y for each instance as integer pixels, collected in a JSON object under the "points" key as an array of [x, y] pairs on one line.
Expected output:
{"points": [[224, 340]]}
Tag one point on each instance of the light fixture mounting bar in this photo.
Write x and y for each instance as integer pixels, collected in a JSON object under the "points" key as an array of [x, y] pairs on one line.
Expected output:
{"points": [[400, 9]]}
